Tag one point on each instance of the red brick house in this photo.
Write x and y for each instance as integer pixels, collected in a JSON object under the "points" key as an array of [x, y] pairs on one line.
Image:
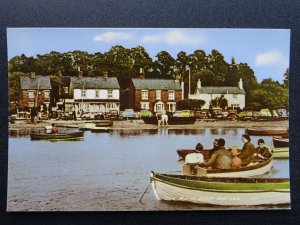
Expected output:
{"points": [[34, 90], [154, 94]]}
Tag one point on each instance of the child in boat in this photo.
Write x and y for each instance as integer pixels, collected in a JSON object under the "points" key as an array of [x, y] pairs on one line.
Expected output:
{"points": [[54, 129], [261, 152]]}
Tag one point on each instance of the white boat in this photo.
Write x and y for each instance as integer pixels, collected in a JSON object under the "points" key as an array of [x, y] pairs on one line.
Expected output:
{"points": [[253, 169], [221, 191]]}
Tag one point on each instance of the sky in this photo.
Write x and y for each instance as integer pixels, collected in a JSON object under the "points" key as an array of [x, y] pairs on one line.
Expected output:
{"points": [[266, 51]]}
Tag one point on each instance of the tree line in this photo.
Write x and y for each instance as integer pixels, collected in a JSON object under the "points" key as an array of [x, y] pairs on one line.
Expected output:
{"points": [[124, 63]]}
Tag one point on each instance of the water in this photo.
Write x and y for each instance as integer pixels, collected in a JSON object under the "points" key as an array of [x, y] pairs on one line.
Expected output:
{"points": [[106, 171]]}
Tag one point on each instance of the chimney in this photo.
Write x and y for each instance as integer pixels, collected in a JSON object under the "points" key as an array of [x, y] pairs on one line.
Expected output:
{"points": [[32, 75], [240, 84], [199, 84], [80, 73], [105, 75], [142, 74]]}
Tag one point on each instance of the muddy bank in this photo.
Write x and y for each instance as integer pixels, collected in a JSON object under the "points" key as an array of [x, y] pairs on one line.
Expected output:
{"points": [[22, 129]]}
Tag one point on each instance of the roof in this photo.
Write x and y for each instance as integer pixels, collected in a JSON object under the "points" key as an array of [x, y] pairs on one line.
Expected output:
{"points": [[220, 90], [156, 84], [95, 82], [39, 82]]}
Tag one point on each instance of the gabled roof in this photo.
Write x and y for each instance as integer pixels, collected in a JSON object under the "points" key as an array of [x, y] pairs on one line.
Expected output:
{"points": [[95, 82], [220, 90], [155, 84], [39, 82]]}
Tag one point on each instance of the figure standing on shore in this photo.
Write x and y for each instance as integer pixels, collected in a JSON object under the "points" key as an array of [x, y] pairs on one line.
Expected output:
{"points": [[54, 129], [164, 118]]}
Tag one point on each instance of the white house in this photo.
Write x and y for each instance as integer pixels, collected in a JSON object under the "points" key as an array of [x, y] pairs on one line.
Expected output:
{"points": [[90, 94], [235, 95]]}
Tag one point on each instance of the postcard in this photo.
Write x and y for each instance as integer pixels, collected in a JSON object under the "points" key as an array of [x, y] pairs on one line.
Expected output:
{"points": [[140, 119]]}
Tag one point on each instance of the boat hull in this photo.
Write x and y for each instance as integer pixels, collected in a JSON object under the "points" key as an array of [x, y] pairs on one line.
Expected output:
{"points": [[100, 129], [58, 136], [246, 171], [279, 142], [266, 132], [171, 120], [224, 192], [280, 153]]}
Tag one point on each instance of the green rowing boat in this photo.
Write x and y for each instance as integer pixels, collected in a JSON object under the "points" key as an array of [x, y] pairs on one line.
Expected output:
{"points": [[58, 136]]}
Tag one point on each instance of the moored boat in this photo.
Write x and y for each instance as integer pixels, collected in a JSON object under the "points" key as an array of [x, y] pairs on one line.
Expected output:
{"points": [[280, 142], [100, 129], [224, 191], [87, 126], [57, 136], [280, 153], [171, 120], [266, 131], [252, 169]]}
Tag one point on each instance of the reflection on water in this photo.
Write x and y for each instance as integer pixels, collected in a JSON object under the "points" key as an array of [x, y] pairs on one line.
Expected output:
{"points": [[107, 171]]}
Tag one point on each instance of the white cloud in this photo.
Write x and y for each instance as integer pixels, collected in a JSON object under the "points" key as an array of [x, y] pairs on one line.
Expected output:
{"points": [[113, 36], [174, 37], [272, 57]]}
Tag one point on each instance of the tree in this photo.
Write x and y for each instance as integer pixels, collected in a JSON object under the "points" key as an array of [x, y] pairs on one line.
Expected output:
{"points": [[164, 65], [219, 102], [286, 77], [190, 104]]}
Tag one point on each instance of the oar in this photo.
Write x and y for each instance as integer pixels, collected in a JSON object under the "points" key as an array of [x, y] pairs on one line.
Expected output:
{"points": [[145, 193]]}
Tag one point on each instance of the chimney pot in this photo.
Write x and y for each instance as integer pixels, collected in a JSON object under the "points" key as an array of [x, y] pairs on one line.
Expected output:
{"points": [[142, 74]]}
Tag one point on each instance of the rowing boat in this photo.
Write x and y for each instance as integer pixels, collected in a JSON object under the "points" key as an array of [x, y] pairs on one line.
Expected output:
{"points": [[224, 191], [252, 169], [266, 131], [57, 136], [100, 129], [280, 153], [280, 142]]}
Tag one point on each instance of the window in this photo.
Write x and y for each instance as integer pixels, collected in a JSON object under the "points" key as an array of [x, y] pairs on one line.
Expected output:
{"points": [[158, 94], [97, 94], [145, 95], [145, 105], [110, 94], [172, 106], [171, 95], [83, 93], [31, 95], [47, 94]]}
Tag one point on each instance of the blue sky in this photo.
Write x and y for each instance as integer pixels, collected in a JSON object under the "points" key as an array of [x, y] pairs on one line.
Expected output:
{"points": [[265, 50]]}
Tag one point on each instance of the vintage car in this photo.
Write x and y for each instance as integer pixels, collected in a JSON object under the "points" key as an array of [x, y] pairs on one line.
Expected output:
{"points": [[245, 115], [183, 113], [265, 113], [203, 114], [130, 114], [113, 115]]}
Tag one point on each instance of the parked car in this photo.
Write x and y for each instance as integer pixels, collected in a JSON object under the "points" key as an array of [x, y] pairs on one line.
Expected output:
{"points": [[265, 113], [183, 113], [92, 115], [255, 114], [113, 115], [145, 113], [217, 113], [282, 113], [232, 115], [224, 114], [245, 115], [129, 114], [202, 114]]}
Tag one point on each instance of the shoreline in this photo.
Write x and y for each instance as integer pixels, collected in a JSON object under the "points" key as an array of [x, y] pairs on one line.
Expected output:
{"points": [[22, 129]]}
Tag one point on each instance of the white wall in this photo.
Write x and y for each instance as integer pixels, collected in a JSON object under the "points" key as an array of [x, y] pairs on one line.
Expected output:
{"points": [[240, 99], [91, 94]]}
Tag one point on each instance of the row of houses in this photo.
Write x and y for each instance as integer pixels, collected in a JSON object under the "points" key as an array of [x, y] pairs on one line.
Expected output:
{"points": [[102, 93]]}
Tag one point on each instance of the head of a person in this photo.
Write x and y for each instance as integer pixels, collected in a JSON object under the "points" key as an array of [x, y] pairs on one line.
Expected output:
{"points": [[215, 142], [53, 124], [246, 138], [261, 143], [199, 146], [221, 142]]}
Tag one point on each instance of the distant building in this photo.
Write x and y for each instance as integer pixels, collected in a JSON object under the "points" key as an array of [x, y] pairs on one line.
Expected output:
{"points": [[89, 94], [234, 95], [154, 94], [35, 90]]}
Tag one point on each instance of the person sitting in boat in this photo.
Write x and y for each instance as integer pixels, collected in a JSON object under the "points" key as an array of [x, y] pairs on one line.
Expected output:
{"points": [[54, 129], [247, 151], [48, 129], [220, 159], [261, 151], [236, 161], [215, 147]]}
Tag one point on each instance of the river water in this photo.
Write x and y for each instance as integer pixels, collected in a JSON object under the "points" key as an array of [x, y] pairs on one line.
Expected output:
{"points": [[107, 171]]}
